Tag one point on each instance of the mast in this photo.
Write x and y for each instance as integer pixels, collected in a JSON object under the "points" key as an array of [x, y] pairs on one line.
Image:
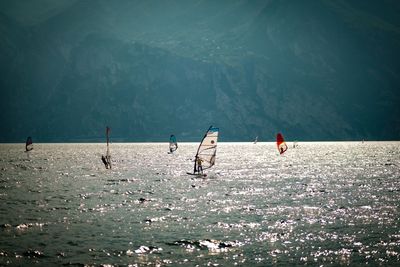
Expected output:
{"points": [[108, 156], [108, 141]]}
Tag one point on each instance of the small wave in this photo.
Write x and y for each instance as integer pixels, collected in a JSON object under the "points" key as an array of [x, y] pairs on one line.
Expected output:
{"points": [[144, 250], [122, 180], [25, 226], [209, 244], [156, 219], [237, 225]]}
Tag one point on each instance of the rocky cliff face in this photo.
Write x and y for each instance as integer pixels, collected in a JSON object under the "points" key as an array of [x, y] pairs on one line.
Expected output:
{"points": [[325, 70]]}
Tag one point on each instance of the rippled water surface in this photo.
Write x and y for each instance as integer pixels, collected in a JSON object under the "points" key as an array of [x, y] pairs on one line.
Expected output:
{"points": [[318, 204]]}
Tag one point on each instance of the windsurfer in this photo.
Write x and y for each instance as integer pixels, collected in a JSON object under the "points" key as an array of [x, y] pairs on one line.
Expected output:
{"points": [[199, 166], [103, 159], [106, 162], [282, 150]]}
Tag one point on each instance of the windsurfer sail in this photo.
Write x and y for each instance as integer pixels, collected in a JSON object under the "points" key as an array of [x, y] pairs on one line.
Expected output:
{"points": [[280, 142], [173, 145], [107, 158], [205, 156], [28, 144], [255, 140]]}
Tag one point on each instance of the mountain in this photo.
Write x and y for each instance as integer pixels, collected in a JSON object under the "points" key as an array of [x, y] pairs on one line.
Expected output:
{"points": [[314, 70]]}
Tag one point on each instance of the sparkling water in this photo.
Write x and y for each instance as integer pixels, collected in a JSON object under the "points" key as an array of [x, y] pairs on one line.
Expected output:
{"points": [[317, 204]]}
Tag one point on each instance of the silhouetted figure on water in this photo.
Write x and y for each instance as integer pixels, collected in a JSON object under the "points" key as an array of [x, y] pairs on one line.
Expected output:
{"points": [[106, 162]]}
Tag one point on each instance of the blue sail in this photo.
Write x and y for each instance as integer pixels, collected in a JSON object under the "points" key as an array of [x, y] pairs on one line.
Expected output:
{"points": [[173, 145]]}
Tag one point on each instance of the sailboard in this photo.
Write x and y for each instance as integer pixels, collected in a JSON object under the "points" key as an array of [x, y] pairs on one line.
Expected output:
{"points": [[107, 158], [28, 144], [281, 144], [206, 152], [173, 145]]}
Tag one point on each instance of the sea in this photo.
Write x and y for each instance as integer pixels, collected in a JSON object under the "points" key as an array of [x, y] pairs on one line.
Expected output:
{"points": [[318, 204]]}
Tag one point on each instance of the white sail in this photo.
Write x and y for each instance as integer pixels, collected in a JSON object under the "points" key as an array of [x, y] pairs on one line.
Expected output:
{"points": [[207, 150]]}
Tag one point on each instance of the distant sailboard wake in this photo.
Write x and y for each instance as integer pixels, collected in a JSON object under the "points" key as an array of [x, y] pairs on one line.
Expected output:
{"points": [[206, 152], [107, 158], [281, 144]]}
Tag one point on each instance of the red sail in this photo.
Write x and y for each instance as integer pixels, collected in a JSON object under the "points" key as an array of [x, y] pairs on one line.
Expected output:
{"points": [[280, 143]]}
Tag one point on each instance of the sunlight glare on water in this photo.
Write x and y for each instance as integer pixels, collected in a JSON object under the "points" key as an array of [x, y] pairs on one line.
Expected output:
{"points": [[319, 203]]}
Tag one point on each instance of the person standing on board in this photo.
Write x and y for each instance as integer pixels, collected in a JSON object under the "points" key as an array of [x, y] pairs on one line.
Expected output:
{"points": [[199, 167], [104, 160]]}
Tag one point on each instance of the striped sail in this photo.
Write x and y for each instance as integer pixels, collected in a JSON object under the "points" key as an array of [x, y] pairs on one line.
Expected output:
{"points": [[207, 149]]}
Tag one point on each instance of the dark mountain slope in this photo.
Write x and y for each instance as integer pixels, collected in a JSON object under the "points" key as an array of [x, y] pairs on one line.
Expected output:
{"points": [[315, 70]]}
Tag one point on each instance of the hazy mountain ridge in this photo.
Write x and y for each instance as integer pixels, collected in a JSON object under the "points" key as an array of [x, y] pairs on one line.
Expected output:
{"points": [[149, 69]]}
